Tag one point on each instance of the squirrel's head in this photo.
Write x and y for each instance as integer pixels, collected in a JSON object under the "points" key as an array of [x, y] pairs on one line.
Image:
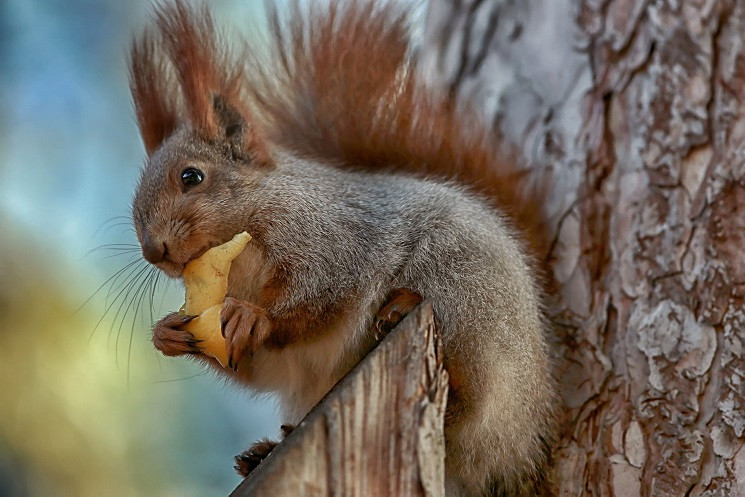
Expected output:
{"points": [[202, 146], [186, 201]]}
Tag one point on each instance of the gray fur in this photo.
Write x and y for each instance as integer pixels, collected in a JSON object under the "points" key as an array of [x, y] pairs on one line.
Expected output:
{"points": [[356, 236], [366, 234]]}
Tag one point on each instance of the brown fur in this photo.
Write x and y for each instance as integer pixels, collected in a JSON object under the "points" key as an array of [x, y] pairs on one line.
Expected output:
{"points": [[301, 99], [153, 92], [291, 148], [202, 68], [301, 324], [250, 459], [341, 87], [245, 327], [208, 75], [398, 304]]}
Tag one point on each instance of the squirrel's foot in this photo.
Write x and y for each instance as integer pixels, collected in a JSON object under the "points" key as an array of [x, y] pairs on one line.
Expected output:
{"points": [[245, 326], [286, 430], [249, 459], [172, 341], [398, 304]]}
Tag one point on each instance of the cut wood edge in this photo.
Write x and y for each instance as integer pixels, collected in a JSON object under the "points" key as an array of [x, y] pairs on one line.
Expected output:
{"points": [[379, 431]]}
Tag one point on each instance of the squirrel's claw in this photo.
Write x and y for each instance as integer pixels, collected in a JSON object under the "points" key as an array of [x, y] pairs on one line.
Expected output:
{"points": [[398, 304], [245, 326], [172, 341]]}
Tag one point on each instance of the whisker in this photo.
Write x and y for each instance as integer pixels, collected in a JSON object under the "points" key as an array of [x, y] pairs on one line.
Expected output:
{"points": [[108, 221], [115, 275], [135, 284], [112, 247], [120, 249], [128, 284], [163, 295], [134, 254], [125, 289], [152, 294], [129, 223], [143, 291], [116, 245], [114, 286], [184, 378], [108, 306]]}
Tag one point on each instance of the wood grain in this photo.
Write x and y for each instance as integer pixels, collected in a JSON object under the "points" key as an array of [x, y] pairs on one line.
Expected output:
{"points": [[378, 432]]}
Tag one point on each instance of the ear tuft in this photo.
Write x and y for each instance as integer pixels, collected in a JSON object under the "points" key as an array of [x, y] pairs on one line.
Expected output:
{"points": [[188, 37], [153, 91], [210, 77]]}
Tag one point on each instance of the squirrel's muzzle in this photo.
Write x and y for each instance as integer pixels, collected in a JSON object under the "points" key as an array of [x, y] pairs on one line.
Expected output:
{"points": [[153, 250]]}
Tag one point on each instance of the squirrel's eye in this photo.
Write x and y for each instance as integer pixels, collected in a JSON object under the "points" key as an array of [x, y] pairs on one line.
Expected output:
{"points": [[191, 176]]}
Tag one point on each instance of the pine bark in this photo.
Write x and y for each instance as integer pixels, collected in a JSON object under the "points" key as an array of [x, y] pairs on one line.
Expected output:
{"points": [[635, 111]]}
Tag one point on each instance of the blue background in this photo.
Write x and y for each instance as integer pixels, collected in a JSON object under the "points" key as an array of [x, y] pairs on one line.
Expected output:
{"points": [[93, 409]]}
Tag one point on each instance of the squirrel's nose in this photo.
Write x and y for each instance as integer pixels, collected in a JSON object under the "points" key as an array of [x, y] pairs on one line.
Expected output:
{"points": [[152, 250]]}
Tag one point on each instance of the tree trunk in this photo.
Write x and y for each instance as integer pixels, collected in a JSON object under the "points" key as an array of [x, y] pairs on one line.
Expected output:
{"points": [[635, 111]]}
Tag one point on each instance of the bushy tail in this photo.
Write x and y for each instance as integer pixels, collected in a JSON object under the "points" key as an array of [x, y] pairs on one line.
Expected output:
{"points": [[338, 85]]}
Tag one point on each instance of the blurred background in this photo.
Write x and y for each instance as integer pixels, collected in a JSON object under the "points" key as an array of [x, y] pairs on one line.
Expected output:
{"points": [[87, 406]]}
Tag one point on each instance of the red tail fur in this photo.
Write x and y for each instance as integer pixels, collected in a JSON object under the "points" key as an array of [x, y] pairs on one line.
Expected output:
{"points": [[338, 86], [342, 88]]}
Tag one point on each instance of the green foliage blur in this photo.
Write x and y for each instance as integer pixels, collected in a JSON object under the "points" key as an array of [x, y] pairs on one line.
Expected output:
{"points": [[87, 406]]}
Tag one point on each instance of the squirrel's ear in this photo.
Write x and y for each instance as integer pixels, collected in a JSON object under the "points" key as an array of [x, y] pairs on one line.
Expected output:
{"points": [[153, 90], [210, 78], [236, 129]]}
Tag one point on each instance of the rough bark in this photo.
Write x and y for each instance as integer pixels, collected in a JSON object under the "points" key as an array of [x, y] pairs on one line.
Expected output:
{"points": [[378, 432], [635, 110]]}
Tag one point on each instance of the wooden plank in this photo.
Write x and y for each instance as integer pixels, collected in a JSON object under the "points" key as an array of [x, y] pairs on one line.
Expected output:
{"points": [[378, 432]]}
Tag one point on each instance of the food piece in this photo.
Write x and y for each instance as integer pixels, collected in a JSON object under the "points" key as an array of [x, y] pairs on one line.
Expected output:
{"points": [[206, 281], [206, 327], [206, 278]]}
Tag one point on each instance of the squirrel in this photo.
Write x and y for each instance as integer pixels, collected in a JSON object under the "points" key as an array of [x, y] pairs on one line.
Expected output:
{"points": [[365, 192]]}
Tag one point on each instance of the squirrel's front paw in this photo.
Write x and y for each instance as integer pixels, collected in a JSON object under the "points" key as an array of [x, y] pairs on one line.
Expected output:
{"points": [[245, 327], [170, 340]]}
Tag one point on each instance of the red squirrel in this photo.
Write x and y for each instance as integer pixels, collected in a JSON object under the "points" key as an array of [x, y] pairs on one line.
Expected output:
{"points": [[364, 192]]}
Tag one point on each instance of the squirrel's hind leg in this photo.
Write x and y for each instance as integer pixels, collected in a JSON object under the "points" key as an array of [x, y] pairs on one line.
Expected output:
{"points": [[398, 303], [248, 460]]}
